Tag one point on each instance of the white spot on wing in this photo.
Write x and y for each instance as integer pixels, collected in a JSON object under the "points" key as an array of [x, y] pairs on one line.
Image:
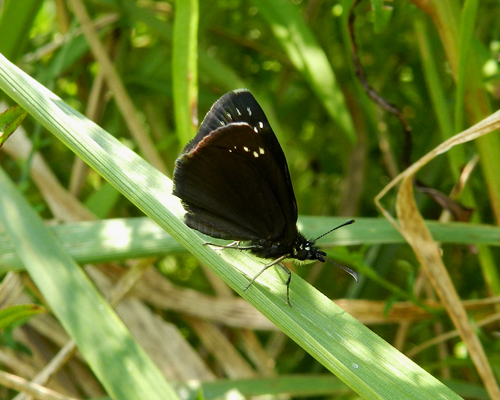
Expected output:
{"points": [[261, 150], [255, 154], [229, 116], [255, 130], [261, 125], [249, 111], [238, 111], [246, 149]]}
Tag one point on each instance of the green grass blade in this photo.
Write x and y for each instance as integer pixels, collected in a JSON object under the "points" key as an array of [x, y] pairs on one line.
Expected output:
{"points": [[101, 337], [467, 23], [124, 238], [308, 58], [14, 314], [15, 16], [456, 155], [382, 14], [9, 121], [184, 68]]}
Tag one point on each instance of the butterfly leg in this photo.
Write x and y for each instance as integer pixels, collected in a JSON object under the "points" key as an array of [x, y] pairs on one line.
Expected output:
{"points": [[270, 265], [232, 245], [287, 283]]}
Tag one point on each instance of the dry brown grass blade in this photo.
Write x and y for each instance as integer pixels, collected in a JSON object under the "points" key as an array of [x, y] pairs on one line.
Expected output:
{"points": [[43, 377], [22, 385], [122, 98], [163, 341], [428, 253], [449, 335], [11, 288], [68, 350], [371, 312], [62, 204], [413, 228], [233, 364], [233, 312], [482, 128], [260, 358]]}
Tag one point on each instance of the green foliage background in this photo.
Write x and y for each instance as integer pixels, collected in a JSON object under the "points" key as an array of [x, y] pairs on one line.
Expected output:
{"points": [[438, 61]]}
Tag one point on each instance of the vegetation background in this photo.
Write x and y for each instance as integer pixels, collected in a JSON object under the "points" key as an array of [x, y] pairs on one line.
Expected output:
{"points": [[147, 72]]}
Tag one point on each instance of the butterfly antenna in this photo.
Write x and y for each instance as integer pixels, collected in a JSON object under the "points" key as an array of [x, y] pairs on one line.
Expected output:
{"points": [[348, 270], [331, 230]]}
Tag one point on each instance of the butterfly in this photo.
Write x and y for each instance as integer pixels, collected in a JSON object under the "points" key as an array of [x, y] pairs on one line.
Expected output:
{"points": [[234, 184]]}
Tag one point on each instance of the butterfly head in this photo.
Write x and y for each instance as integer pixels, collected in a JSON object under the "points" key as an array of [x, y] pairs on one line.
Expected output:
{"points": [[306, 250]]}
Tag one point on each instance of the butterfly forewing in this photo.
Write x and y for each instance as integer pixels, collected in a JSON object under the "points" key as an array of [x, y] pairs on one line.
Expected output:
{"points": [[233, 178]]}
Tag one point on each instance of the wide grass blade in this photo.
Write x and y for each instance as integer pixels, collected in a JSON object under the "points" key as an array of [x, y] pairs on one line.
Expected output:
{"points": [[121, 365], [360, 358]]}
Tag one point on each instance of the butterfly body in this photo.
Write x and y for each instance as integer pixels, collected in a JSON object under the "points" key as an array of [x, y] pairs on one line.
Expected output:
{"points": [[234, 183]]}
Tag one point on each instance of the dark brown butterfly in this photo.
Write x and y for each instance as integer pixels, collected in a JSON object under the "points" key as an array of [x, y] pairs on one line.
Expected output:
{"points": [[234, 183]]}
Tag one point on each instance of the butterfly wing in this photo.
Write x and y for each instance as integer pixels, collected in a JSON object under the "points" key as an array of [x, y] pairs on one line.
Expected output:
{"points": [[233, 177]]}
